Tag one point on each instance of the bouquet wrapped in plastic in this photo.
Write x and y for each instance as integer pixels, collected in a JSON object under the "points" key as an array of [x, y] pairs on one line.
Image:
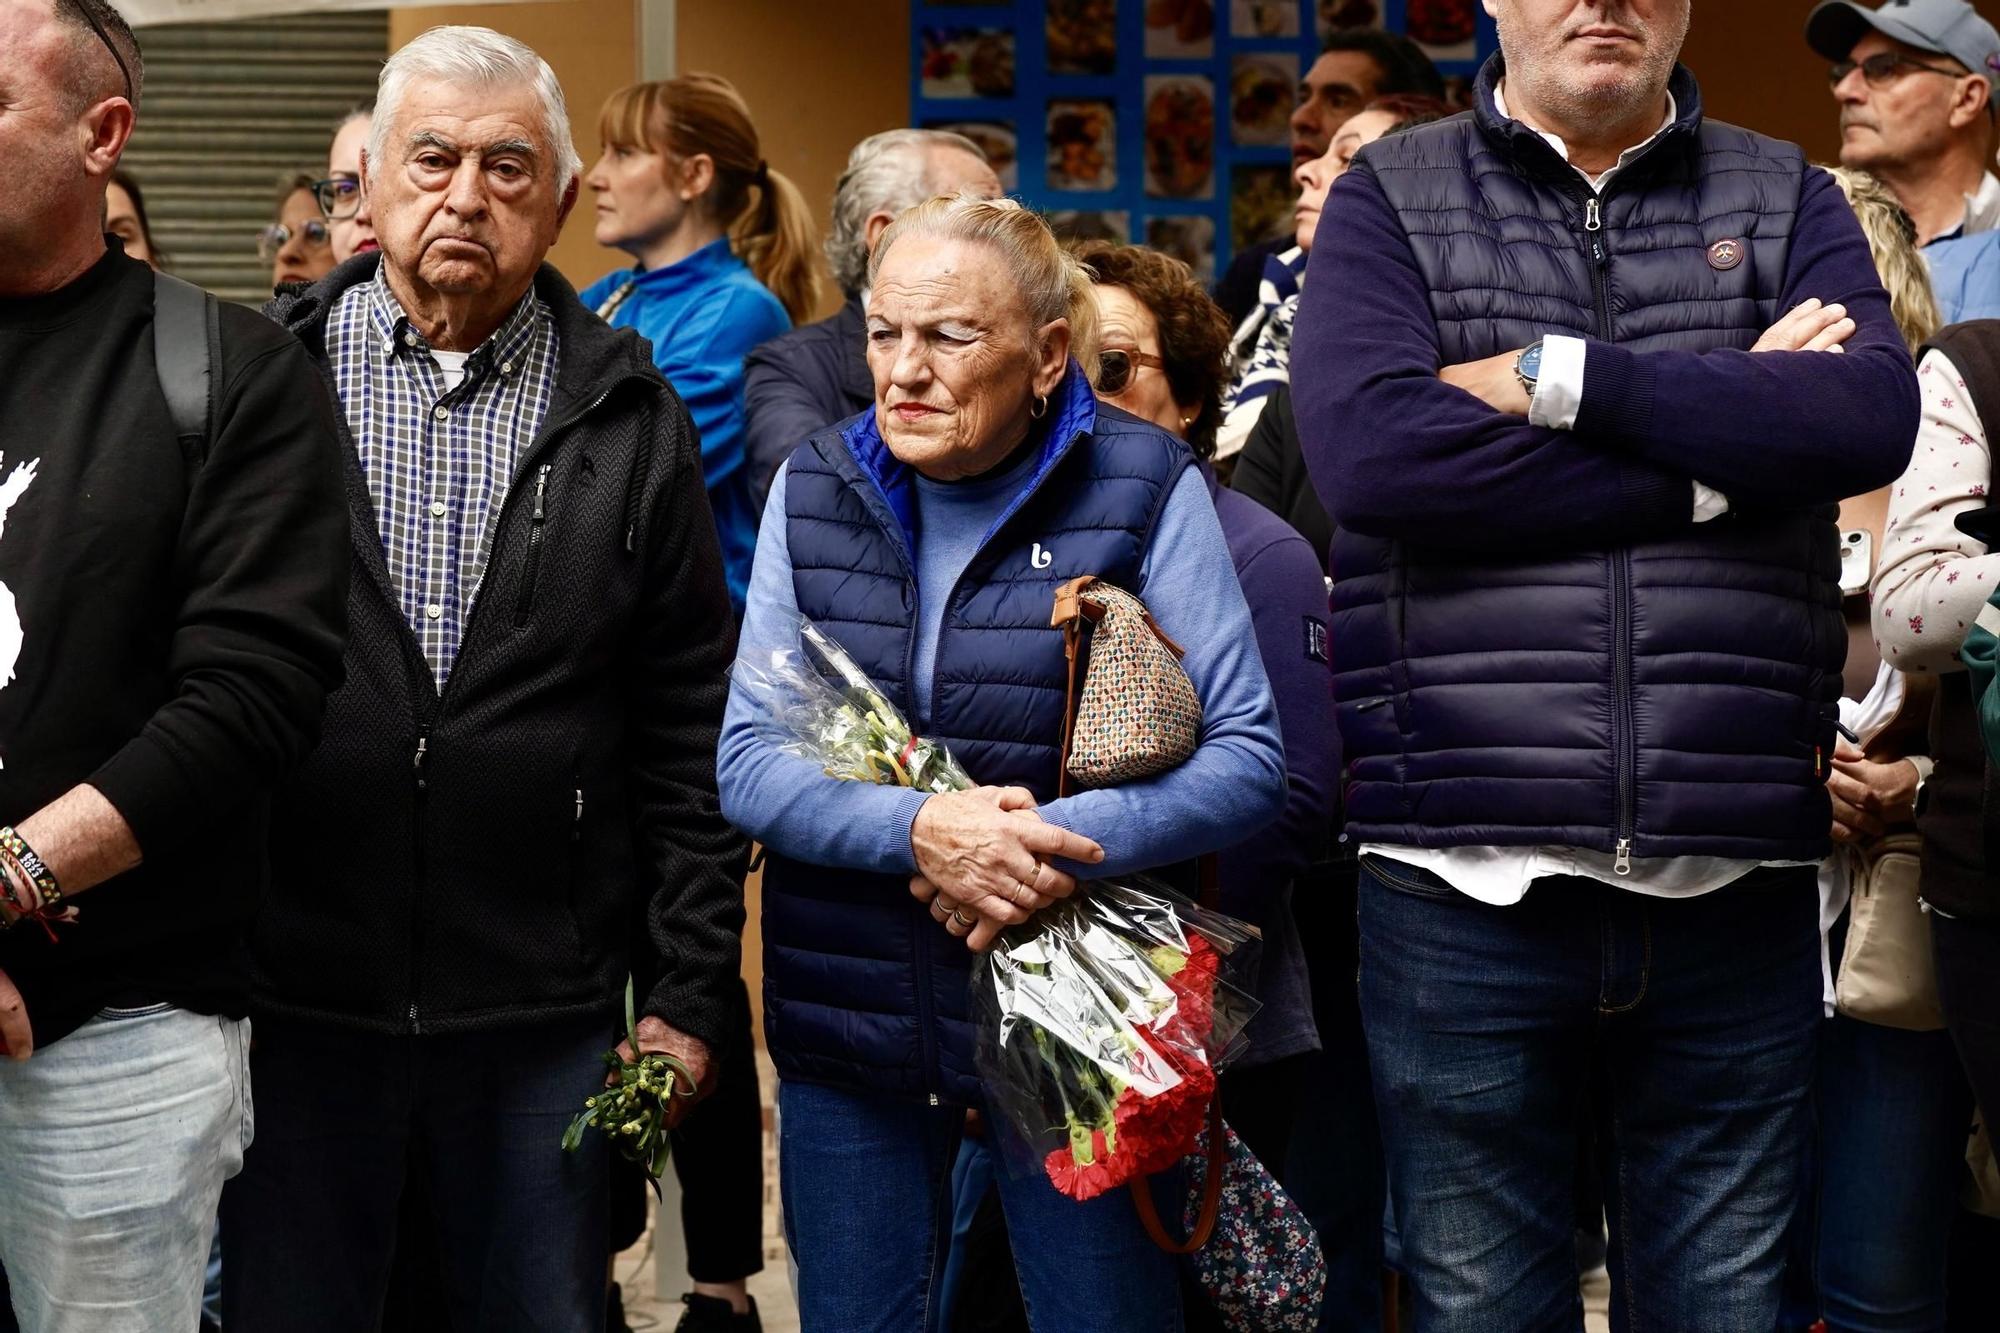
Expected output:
{"points": [[817, 704], [1102, 1020]]}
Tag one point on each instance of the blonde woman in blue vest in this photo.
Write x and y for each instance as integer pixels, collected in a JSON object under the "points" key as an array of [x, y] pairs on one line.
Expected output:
{"points": [[929, 535]]}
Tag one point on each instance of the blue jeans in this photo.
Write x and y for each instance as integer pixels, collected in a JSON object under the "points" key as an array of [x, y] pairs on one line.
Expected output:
{"points": [[1689, 1024], [1894, 1116], [868, 1210], [114, 1143], [309, 1228]]}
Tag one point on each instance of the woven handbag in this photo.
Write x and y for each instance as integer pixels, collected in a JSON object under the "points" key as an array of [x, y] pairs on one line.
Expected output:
{"points": [[1136, 713]]}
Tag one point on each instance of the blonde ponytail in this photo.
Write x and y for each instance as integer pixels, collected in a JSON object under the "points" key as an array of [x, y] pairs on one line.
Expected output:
{"points": [[777, 239]]}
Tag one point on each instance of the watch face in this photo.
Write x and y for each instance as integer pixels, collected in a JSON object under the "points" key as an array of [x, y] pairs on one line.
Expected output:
{"points": [[1531, 362]]}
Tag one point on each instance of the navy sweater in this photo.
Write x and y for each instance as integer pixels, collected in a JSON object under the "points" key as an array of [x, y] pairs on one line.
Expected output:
{"points": [[1400, 454]]}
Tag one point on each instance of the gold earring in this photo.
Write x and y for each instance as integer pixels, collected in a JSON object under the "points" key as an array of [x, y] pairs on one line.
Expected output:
{"points": [[1041, 407]]}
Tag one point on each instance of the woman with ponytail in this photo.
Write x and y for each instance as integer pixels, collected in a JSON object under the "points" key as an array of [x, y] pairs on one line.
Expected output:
{"points": [[727, 258]]}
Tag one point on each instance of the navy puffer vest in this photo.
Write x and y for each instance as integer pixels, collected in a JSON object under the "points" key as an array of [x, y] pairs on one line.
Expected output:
{"points": [[1667, 699], [861, 988]]}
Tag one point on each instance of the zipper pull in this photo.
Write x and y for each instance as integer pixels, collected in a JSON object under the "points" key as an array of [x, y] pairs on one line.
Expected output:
{"points": [[1623, 865], [417, 762], [1593, 227], [541, 490], [576, 829]]}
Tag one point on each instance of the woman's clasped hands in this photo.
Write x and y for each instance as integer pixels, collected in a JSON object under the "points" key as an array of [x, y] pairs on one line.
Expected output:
{"points": [[983, 861]]}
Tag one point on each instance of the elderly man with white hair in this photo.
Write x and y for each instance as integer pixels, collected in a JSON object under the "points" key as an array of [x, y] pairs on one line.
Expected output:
{"points": [[514, 802], [811, 377]]}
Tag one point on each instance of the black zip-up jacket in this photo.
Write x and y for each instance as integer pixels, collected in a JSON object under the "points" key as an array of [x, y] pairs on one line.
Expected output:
{"points": [[503, 851]]}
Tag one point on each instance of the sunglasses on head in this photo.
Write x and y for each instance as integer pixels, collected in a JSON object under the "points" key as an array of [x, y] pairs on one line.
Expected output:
{"points": [[1117, 365], [277, 236], [1885, 67], [105, 37]]}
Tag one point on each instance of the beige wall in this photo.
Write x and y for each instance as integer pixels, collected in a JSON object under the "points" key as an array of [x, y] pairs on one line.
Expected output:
{"points": [[592, 46], [818, 75]]}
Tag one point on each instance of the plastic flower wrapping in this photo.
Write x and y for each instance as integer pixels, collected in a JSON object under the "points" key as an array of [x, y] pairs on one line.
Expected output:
{"points": [[1101, 1021]]}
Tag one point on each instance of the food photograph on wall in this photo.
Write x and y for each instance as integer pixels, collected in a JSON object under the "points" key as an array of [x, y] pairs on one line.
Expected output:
{"points": [[1161, 122]]}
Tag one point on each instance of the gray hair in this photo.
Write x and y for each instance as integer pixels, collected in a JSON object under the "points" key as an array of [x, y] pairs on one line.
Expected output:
{"points": [[886, 173], [1052, 282], [474, 58]]}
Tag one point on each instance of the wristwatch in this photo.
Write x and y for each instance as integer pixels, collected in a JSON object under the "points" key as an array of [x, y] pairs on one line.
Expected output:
{"points": [[1528, 366]]}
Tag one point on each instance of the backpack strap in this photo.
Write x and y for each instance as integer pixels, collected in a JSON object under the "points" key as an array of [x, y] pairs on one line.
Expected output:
{"points": [[187, 337]]}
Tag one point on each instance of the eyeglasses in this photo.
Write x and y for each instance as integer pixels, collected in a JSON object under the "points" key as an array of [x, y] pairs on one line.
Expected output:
{"points": [[277, 236], [105, 37], [1117, 365], [339, 197], [1884, 68]]}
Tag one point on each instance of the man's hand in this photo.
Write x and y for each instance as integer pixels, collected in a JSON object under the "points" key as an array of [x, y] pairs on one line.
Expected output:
{"points": [[17, 1039], [1808, 327], [656, 1036], [1868, 798], [1492, 381]]}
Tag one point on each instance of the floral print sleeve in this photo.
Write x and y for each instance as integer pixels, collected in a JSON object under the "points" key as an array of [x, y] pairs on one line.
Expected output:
{"points": [[1930, 578]]}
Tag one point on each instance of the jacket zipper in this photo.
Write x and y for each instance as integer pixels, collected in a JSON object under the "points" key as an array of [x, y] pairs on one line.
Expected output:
{"points": [[1622, 744], [436, 699], [417, 855], [535, 526], [921, 917]]}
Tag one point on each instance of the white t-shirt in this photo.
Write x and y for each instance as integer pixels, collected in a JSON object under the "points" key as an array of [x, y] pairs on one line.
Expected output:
{"points": [[452, 364]]}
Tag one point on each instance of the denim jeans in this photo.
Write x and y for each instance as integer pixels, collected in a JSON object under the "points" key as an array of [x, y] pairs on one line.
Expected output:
{"points": [[114, 1143], [1688, 1023], [309, 1228], [1893, 1113], [867, 1186]]}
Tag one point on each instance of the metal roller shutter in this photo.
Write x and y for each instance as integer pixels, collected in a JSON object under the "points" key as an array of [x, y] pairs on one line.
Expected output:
{"points": [[228, 109]]}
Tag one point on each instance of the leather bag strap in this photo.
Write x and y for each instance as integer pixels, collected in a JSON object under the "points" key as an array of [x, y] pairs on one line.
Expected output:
{"points": [[1211, 1191]]}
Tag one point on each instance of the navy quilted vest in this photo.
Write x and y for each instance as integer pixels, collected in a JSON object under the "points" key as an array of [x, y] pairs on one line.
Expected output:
{"points": [[861, 988], [1668, 699]]}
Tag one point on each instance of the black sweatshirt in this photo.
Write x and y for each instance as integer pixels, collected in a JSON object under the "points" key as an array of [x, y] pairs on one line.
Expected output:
{"points": [[177, 626]]}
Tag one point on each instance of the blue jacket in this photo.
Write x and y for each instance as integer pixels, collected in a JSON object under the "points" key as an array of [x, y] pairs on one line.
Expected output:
{"points": [[702, 316], [1533, 641], [862, 988]]}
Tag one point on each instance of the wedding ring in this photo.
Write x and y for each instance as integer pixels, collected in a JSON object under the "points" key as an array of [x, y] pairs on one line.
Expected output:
{"points": [[958, 915]]}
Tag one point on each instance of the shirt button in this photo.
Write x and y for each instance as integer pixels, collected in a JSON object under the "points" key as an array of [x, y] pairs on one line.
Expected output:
{"points": [[437, 509], [506, 367], [409, 339], [434, 610], [441, 412]]}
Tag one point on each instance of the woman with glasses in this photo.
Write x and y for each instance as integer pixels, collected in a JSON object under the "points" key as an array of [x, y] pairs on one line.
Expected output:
{"points": [[297, 246], [1162, 357], [1161, 343], [340, 201]]}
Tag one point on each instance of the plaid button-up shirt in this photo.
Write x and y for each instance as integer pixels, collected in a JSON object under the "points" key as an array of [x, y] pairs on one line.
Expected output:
{"points": [[438, 462]]}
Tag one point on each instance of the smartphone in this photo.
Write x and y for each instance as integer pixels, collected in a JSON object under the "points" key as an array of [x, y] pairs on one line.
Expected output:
{"points": [[1857, 562]]}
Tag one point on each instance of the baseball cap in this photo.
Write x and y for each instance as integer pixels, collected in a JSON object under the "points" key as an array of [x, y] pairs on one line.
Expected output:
{"points": [[1948, 27]]}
